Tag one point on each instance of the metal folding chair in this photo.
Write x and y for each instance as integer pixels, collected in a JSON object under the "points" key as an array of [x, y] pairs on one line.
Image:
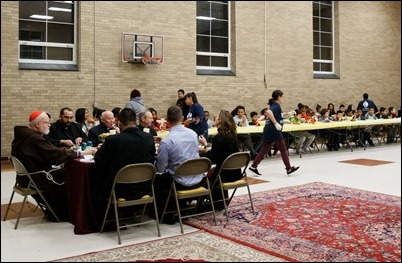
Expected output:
{"points": [[31, 189], [189, 168], [143, 173], [239, 160]]}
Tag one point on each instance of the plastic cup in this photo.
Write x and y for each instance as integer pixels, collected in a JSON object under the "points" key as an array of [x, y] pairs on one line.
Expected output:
{"points": [[83, 146]]}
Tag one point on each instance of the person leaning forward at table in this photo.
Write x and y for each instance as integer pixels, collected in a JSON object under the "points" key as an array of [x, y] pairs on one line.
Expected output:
{"points": [[37, 154], [273, 134], [146, 120], [128, 147], [65, 132], [178, 146], [106, 124]]}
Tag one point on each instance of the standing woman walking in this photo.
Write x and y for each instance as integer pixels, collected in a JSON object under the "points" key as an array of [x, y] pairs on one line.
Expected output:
{"points": [[273, 135]]}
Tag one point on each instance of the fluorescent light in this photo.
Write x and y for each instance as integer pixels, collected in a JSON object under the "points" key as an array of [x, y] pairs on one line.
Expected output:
{"points": [[41, 17], [205, 18], [59, 9]]}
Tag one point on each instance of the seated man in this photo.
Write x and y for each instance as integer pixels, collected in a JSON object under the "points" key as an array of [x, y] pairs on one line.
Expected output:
{"points": [[146, 120], [178, 146], [128, 147], [106, 124], [65, 132], [37, 154]]}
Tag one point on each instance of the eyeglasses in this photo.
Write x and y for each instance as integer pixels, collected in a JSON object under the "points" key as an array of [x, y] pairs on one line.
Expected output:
{"points": [[47, 122]]}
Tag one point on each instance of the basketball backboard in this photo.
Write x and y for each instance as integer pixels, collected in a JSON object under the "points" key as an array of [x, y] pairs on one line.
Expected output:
{"points": [[135, 46]]}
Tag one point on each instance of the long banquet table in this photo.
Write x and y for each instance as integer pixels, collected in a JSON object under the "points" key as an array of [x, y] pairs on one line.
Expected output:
{"points": [[306, 126]]}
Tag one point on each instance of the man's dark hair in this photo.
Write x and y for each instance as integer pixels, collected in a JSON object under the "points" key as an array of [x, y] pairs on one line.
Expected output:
{"points": [[174, 114], [127, 116], [181, 90], [365, 96], [65, 109]]}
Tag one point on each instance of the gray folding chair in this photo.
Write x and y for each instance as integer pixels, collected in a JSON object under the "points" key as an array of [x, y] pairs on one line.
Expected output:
{"points": [[31, 189], [189, 168], [143, 173], [239, 160]]}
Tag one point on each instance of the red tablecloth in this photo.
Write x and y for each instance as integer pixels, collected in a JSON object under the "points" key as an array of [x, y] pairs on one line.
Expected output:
{"points": [[79, 177]]}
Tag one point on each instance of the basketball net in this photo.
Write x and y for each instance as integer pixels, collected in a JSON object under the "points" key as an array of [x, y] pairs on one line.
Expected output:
{"points": [[147, 60]]}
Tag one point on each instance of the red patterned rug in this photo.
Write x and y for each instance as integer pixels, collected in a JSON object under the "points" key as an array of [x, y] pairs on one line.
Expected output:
{"points": [[314, 222]]}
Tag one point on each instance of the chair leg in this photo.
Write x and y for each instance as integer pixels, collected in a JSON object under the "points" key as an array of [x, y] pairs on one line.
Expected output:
{"points": [[224, 204], [116, 216], [179, 214], [105, 217], [9, 206], [156, 217], [20, 212], [251, 200], [212, 204]]}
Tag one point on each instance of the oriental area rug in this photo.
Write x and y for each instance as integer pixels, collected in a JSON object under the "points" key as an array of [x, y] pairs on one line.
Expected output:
{"points": [[314, 222], [196, 246]]}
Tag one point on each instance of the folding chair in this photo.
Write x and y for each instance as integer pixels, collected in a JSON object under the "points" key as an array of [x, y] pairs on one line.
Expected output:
{"points": [[232, 162], [133, 174], [31, 189], [189, 168]]}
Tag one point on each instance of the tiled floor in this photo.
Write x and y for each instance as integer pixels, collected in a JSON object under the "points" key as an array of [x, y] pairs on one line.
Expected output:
{"points": [[39, 240]]}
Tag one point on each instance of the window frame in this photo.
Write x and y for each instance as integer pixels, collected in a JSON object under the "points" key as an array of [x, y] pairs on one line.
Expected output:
{"points": [[216, 54], [332, 61], [45, 44]]}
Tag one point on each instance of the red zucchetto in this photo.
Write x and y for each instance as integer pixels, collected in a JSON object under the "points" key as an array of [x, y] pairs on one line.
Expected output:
{"points": [[34, 115]]}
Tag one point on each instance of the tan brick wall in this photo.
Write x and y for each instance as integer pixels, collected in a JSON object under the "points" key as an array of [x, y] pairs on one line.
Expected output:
{"points": [[368, 37]]}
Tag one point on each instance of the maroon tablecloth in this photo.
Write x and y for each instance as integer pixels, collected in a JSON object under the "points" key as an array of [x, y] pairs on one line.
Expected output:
{"points": [[78, 177]]}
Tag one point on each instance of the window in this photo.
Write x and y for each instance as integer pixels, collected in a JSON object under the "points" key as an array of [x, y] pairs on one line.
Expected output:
{"points": [[47, 32], [213, 35], [323, 43]]}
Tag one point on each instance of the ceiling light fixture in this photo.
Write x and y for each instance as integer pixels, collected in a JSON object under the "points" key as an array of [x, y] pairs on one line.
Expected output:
{"points": [[59, 9], [205, 18], [42, 17]]}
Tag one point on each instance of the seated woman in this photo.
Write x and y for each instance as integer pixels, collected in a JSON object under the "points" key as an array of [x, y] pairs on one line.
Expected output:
{"points": [[223, 144]]}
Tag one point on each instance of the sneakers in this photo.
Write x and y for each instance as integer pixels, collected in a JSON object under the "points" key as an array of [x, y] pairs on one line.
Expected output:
{"points": [[254, 170], [292, 169]]}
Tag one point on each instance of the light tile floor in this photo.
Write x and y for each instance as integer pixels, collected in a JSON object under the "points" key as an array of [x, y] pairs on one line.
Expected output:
{"points": [[39, 240]]}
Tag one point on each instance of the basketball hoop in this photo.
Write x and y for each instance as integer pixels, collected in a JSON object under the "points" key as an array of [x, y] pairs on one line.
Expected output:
{"points": [[151, 60]]}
